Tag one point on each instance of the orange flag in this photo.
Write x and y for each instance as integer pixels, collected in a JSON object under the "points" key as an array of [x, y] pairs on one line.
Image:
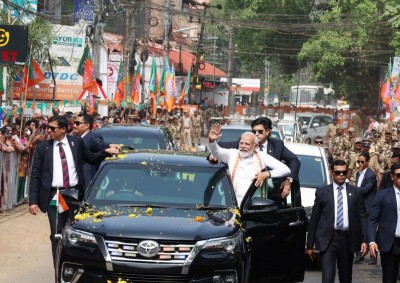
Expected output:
{"points": [[120, 91]]}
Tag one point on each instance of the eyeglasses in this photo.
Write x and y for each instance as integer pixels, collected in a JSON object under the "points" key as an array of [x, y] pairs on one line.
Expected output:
{"points": [[52, 128], [258, 131], [360, 161], [397, 175], [318, 142], [77, 123], [337, 173]]}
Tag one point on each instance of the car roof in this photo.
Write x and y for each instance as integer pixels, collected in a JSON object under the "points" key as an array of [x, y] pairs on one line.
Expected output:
{"points": [[141, 129], [310, 114], [306, 149], [164, 157]]}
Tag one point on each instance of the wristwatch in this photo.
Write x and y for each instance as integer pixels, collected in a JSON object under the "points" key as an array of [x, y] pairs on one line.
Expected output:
{"points": [[289, 179]]}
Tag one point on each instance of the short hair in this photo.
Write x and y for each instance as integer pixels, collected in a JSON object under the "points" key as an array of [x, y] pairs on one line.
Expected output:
{"points": [[365, 154], [61, 120], [28, 123], [250, 134], [266, 122], [87, 119], [318, 138], [338, 162], [395, 154], [394, 167]]}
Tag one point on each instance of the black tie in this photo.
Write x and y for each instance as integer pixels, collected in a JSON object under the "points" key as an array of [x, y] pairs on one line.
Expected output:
{"points": [[261, 147]]}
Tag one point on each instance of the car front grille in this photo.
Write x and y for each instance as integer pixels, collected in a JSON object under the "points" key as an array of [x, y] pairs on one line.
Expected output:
{"points": [[168, 253], [146, 278]]}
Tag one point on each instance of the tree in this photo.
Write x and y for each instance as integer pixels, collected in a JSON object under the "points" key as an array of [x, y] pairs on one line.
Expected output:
{"points": [[350, 47]]}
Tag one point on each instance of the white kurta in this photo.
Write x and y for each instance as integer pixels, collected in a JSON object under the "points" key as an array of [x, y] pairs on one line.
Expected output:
{"points": [[248, 167]]}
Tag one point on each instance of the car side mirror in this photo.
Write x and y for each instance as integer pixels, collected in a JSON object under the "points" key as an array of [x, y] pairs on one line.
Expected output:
{"points": [[260, 205], [304, 132], [315, 125], [71, 197]]}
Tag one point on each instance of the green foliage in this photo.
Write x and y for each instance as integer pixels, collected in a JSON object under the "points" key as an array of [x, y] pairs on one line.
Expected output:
{"points": [[349, 48]]}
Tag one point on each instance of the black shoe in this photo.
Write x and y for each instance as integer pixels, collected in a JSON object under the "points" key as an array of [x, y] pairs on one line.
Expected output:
{"points": [[372, 261], [358, 259]]}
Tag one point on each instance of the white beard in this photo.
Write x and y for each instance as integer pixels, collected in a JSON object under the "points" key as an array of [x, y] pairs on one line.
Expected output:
{"points": [[244, 154]]}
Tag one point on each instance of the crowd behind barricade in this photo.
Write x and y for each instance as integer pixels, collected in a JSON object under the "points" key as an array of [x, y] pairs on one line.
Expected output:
{"points": [[19, 135]]}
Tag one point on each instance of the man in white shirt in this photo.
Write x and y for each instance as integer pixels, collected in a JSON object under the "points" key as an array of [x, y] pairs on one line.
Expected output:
{"points": [[246, 164]]}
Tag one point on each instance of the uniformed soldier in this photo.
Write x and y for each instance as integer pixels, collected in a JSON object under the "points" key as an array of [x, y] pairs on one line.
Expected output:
{"points": [[331, 130], [353, 157], [385, 151], [339, 144], [187, 130], [178, 130], [197, 123]]}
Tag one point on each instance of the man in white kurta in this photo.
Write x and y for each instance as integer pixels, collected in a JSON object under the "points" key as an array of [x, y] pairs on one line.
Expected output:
{"points": [[245, 164]]}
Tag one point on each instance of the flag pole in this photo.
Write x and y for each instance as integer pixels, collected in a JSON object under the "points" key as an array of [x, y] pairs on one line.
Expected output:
{"points": [[23, 99], [56, 235]]}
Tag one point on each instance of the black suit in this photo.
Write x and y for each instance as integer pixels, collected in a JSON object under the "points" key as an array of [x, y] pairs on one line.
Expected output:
{"points": [[333, 245], [386, 181], [40, 186], [277, 149], [368, 186], [94, 142], [381, 229]]}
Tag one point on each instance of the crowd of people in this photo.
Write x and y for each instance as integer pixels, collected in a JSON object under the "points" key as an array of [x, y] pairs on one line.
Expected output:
{"points": [[352, 211]]}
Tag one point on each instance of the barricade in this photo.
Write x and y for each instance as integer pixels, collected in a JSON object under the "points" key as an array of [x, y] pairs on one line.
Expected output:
{"points": [[10, 180]]}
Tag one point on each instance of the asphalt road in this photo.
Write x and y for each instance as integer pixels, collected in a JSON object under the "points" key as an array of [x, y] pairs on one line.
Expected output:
{"points": [[25, 251]]}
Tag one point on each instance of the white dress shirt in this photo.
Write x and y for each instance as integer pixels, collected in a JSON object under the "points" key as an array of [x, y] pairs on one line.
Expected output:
{"points": [[397, 194], [57, 166], [345, 206], [247, 167], [361, 177]]}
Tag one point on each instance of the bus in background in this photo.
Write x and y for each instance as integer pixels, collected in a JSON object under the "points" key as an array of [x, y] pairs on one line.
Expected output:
{"points": [[312, 96]]}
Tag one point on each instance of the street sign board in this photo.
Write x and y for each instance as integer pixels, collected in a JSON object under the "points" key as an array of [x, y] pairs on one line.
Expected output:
{"points": [[13, 44]]}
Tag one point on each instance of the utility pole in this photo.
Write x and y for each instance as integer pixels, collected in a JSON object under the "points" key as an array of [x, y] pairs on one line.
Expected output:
{"points": [[167, 27], [231, 96]]}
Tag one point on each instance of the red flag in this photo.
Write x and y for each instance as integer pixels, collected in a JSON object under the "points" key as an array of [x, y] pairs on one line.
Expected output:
{"points": [[32, 74], [120, 91]]}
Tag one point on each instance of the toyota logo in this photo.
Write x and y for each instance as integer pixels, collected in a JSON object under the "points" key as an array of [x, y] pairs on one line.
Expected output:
{"points": [[148, 248]]}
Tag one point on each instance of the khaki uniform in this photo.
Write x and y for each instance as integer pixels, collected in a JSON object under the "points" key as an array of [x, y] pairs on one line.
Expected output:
{"points": [[197, 123], [353, 165], [338, 145], [331, 131], [187, 132]]}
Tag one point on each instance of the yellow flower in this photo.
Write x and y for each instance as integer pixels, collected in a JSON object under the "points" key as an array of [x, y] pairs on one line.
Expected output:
{"points": [[121, 281], [248, 239], [132, 215], [149, 211], [235, 211], [199, 218]]}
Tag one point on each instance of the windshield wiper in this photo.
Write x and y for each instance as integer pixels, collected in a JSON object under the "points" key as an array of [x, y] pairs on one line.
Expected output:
{"points": [[210, 207]]}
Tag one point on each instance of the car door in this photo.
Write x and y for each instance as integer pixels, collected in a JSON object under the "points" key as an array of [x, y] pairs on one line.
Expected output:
{"points": [[277, 235]]}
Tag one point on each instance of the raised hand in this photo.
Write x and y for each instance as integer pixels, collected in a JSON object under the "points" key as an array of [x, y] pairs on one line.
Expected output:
{"points": [[215, 133]]}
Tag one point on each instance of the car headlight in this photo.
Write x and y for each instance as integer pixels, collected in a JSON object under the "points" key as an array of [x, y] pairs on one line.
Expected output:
{"points": [[228, 244], [76, 237]]}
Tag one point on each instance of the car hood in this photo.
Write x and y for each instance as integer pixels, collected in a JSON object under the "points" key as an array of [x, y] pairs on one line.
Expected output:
{"points": [[166, 224]]}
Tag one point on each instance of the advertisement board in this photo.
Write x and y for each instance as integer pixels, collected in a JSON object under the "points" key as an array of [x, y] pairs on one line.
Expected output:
{"points": [[68, 86], [69, 42], [84, 10], [13, 44]]}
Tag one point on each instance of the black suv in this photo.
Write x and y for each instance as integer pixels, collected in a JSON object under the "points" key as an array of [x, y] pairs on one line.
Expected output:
{"points": [[138, 136], [157, 217]]}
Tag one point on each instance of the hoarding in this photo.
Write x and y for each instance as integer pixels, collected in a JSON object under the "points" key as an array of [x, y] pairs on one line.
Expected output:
{"points": [[69, 42], [13, 44], [84, 10]]}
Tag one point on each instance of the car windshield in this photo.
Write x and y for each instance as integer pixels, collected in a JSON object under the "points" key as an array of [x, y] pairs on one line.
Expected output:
{"points": [[305, 120], [315, 165], [127, 138], [288, 130], [163, 185]]}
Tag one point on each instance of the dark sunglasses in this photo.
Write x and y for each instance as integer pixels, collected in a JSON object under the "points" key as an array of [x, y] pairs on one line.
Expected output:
{"points": [[318, 142], [77, 123], [360, 161], [258, 131], [397, 175], [337, 173], [51, 128]]}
